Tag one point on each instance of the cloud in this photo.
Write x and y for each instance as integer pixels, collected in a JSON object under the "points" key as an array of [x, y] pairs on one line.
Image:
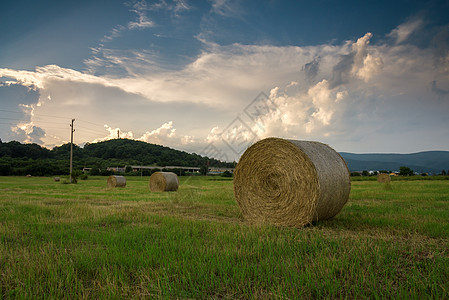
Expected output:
{"points": [[437, 90], [161, 135], [311, 69], [403, 31], [35, 135], [113, 34], [143, 21], [226, 8], [29, 133], [324, 102], [365, 64], [114, 133], [349, 95], [362, 62]]}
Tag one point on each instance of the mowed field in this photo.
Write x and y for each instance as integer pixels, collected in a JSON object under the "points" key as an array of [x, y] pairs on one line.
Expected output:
{"points": [[87, 241]]}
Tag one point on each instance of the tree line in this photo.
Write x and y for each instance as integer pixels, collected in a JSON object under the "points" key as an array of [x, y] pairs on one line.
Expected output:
{"points": [[23, 159]]}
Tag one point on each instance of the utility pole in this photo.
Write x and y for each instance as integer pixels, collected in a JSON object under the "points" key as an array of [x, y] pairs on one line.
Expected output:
{"points": [[118, 133], [71, 149]]}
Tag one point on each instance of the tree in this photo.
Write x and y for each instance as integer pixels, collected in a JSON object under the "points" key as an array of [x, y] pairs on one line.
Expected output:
{"points": [[94, 171], [226, 174], [443, 172], [365, 173], [405, 171], [204, 170]]}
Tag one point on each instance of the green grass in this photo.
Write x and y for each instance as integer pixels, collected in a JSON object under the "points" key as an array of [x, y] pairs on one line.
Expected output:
{"points": [[88, 241]]}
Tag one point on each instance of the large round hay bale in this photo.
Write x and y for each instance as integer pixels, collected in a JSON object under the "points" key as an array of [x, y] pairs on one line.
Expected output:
{"points": [[290, 183], [116, 181], [164, 182], [383, 178]]}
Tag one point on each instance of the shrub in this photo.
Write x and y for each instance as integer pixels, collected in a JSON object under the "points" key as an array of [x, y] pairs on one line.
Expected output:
{"points": [[226, 174]]}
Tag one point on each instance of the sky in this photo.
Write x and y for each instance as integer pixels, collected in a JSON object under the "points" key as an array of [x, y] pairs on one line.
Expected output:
{"points": [[213, 77]]}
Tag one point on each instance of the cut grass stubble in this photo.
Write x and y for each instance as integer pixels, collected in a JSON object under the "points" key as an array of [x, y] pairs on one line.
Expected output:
{"points": [[86, 241]]}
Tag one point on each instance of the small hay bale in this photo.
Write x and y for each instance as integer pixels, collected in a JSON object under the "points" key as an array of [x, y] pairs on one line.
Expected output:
{"points": [[291, 183], [164, 182], [383, 178], [116, 181]]}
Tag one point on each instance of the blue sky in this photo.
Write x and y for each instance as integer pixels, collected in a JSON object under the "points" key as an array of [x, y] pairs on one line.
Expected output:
{"points": [[360, 76]]}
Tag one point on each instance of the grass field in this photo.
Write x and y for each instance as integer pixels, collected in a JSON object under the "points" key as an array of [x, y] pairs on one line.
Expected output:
{"points": [[88, 241]]}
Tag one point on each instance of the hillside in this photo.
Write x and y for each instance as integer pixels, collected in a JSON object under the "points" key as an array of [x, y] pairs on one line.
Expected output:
{"points": [[22, 159], [429, 161]]}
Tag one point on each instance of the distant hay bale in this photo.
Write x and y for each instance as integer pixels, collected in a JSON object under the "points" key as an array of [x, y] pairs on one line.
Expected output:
{"points": [[164, 182], [383, 178], [291, 183], [57, 179], [116, 181]]}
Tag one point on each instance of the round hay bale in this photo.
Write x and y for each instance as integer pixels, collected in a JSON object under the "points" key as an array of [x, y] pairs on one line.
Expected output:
{"points": [[164, 182], [57, 179], [116, 181], [290, 183], [383, 178]]}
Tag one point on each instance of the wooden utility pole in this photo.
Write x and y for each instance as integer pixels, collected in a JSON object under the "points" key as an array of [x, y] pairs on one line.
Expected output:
{"points": [[71, 149]]}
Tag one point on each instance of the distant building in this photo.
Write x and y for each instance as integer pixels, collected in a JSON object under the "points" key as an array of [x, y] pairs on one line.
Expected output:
{"points": [[216, 170], [212, 170], [186, 169], [116, 169]]}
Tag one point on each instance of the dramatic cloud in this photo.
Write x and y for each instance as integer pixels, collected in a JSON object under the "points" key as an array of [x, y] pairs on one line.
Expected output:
{"points": [[351, 95]]}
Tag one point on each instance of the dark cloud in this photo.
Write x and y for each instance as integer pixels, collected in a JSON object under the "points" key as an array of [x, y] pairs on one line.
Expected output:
{"points": [[341, 71], [12, 96], [36, 135], [311, 69], [440, 44], [438, 90]]}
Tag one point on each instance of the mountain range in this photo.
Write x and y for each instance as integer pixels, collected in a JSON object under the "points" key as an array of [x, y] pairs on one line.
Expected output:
{"points": [[432, 162]]}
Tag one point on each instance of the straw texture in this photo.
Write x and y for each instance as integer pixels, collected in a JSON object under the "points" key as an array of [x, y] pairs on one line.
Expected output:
{"points": [[164, 182], [290, 183], [116, 181], [383, 178]]}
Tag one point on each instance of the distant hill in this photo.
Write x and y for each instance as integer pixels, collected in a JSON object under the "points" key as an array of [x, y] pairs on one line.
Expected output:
{"points": [[422, 162], [21, 159]]}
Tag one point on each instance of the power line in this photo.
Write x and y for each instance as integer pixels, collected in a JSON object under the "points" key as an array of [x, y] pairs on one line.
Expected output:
{"points": [[19, 120], [43, 115], [91, 130], [38, 117], [10, 111], [102, 125]]}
